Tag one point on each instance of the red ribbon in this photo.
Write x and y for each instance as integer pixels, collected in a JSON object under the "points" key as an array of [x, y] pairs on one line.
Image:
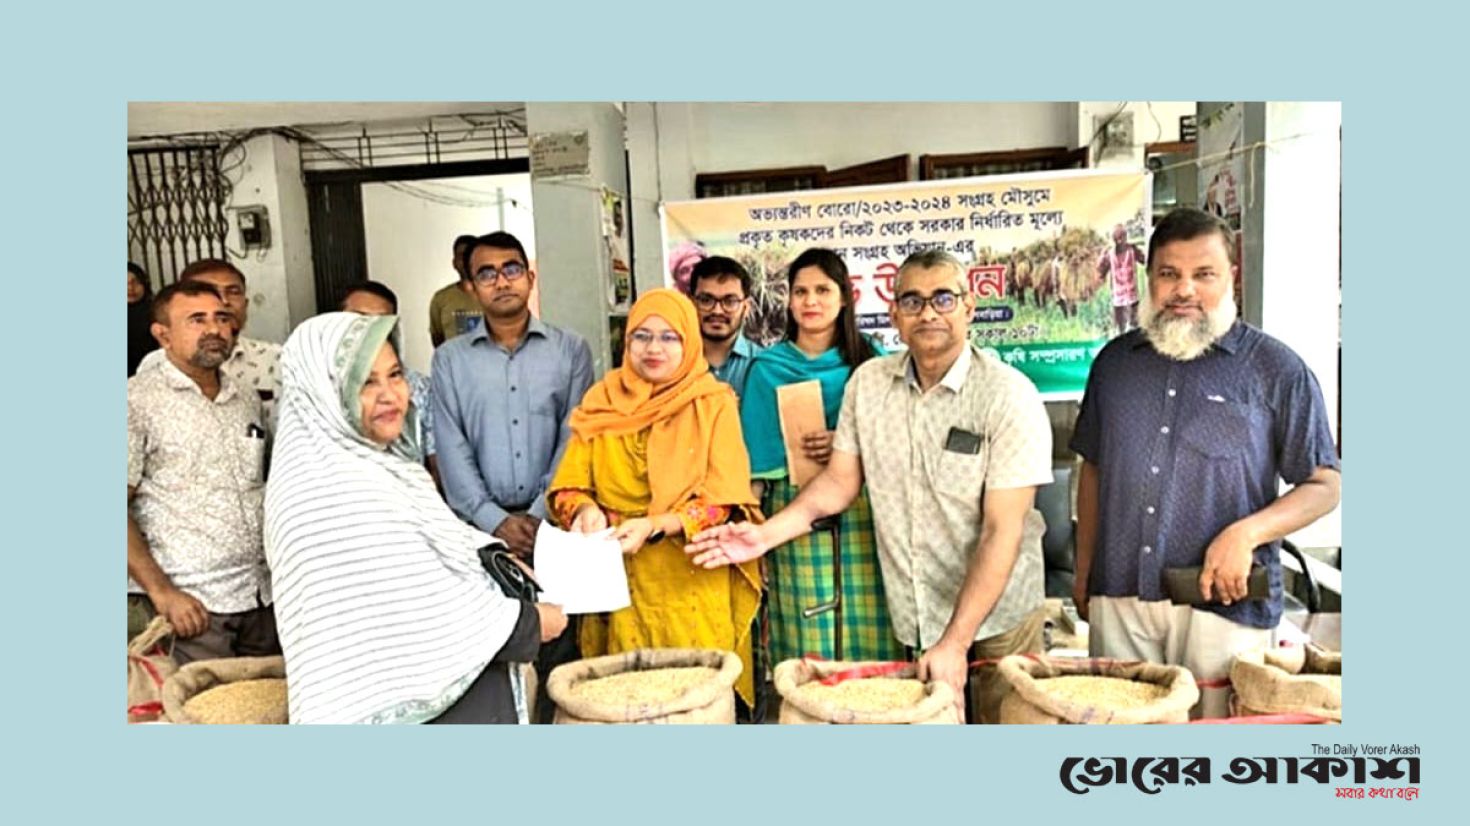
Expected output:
{"points": [[149, 709], [863, 672], [148, 667]]}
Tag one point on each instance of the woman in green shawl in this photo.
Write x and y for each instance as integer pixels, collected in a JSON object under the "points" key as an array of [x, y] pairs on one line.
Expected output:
{"points": [[822, 343]]}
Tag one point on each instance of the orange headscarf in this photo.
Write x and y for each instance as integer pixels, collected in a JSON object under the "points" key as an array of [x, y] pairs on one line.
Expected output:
{"points": [[681, 413]]}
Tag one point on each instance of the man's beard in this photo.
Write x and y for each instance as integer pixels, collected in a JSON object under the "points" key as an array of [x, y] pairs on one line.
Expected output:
{"points": [[733, 330], [1185, 339], [208, 358]]}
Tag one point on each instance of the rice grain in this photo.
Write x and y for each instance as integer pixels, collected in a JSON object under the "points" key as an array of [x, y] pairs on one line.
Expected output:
{"points": [[1102, 692], [245, 701], [868, 696], [643, 687]]}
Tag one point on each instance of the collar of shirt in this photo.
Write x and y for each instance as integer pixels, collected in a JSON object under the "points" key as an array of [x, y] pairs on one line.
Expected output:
{"points": [[743, 348], [179, 381], [954, 378], [1230, 342], [481, 332]]}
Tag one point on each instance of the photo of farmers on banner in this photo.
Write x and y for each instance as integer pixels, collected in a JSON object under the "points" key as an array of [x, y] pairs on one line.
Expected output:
{"points": [[1055, 259]]}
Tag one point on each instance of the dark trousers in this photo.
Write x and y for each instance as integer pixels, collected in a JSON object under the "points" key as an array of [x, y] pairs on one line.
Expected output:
{"points": [[249, 633], [560, 651]]}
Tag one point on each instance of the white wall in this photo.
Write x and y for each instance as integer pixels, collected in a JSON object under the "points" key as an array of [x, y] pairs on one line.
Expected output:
{"points": [[732, 136], [1292, 225], [281, 286], [409, 240], [1153, 122], [291, 230], [574, 266]]}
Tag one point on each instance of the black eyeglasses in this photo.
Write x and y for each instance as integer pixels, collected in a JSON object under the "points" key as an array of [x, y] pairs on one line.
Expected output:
{"points": [[944, 302], [513, 271], [729, 303]]}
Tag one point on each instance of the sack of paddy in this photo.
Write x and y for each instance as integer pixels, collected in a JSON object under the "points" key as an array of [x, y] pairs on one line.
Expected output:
{"points": [[149, 667], [1266, 682], [650, 685], [228, 691], [1089, 691], [896, 697]]}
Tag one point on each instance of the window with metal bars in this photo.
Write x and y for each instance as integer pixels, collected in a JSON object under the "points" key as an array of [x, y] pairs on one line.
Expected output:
{"points": [[176, 208]]}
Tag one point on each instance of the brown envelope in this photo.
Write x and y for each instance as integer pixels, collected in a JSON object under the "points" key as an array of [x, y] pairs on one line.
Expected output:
{"points": [[800, 407]]}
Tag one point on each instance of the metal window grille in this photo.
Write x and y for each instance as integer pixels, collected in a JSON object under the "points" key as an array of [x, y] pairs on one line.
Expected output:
{"points": [[176, 208]]}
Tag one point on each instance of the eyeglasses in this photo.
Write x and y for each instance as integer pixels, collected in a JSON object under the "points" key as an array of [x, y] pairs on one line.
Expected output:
{"points": [[943, 301], [513, 271], [667, 338], [729, 303]]}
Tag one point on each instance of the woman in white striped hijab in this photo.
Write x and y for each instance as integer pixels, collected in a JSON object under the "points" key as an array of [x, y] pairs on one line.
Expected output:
{"points": [[384, 610]]}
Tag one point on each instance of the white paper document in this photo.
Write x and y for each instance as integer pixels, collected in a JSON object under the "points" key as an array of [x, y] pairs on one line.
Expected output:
{"points": [[582, 574]]}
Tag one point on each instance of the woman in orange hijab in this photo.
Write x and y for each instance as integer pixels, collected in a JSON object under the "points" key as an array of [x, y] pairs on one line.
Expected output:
{"points": [[656, 453]]}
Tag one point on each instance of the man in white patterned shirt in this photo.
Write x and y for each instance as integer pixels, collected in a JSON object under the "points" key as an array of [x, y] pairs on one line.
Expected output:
{"points": [[196, 457], [952, 443], [253, 364]]}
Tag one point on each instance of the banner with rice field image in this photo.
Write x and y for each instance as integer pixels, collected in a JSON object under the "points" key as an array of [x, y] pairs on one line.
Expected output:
{"points": [[1054, 259]]}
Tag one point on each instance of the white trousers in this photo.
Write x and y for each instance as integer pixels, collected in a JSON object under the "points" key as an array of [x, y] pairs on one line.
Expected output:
{"points": [[1126, 628]]}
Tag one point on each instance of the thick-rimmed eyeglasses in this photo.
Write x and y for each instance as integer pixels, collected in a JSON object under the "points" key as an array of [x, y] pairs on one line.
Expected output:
{"points": [[944, 302], [728, 303], [512, 271], [668, 338]]}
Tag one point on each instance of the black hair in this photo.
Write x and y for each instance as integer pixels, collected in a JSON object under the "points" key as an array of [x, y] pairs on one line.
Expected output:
{"points": [[142, 276], [372, 288], [1187, 224], [850, 344], [719, 268], [495, 240], [167, 294]]}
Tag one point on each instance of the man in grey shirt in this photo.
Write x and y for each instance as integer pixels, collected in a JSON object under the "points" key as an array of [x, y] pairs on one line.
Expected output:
{"points": [[501, 396]]}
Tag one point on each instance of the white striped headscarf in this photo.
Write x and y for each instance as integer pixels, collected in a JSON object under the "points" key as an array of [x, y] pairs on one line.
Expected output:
{"points": [[383, 608]]}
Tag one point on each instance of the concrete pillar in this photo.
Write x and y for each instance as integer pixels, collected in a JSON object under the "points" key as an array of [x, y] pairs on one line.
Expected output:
{"points": [[279, 278], [572, 258], [1291, 220]]}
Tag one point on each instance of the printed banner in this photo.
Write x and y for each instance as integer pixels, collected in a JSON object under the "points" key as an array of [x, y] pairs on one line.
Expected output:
{"points": [[1054, 259]]}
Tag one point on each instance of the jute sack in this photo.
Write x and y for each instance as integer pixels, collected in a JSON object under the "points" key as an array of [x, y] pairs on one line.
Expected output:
{"points": [[1028, 703], [198, 677], [1263, 686], [712, 701], [149, 667], [936, 707]]}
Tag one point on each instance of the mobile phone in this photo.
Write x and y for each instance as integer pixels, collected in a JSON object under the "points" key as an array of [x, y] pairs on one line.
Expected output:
{"points": [[962, 441]]}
